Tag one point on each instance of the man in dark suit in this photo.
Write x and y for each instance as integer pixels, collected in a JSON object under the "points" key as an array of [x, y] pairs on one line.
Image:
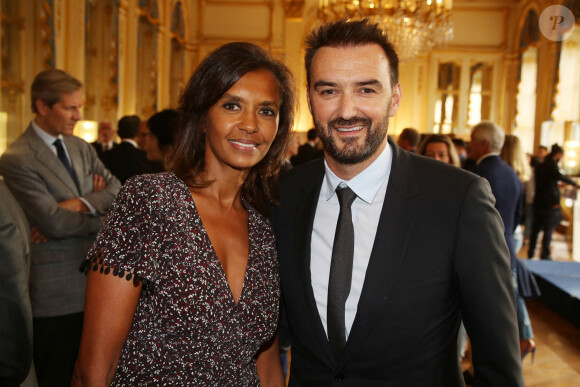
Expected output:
{"points": [[547, 209], [16, 320], [308, 151], [487, 140], [64, 190], [104, 142], [126, 160], [420, 248]]}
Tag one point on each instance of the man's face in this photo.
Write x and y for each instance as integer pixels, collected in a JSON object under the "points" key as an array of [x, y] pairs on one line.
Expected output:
{"points": [[62, 117], [351, 100], [106, 132]]}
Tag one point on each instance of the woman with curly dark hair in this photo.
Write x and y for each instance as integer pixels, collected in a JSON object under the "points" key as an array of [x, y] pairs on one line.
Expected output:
{"points": [[192, 291]]}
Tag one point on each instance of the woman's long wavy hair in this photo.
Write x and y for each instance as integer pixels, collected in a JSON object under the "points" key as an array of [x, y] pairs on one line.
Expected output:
{"points": [[216, 74]]}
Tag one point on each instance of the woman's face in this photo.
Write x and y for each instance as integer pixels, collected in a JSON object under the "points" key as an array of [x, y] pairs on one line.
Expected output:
{"points": [[243, 123], [438, 151], [151, 145]]}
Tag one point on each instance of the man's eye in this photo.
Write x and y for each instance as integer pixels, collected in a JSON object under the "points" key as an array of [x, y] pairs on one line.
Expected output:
{"points": [[327, 92], [367, 90]]}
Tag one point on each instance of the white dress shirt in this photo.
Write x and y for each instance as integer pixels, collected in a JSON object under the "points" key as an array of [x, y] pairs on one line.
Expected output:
{"points": [[370, 187], [49, 140]]}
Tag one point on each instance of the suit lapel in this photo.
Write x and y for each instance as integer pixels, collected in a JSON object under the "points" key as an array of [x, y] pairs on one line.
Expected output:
{"points": [[48, 159], [303, 223], [393, 235]]}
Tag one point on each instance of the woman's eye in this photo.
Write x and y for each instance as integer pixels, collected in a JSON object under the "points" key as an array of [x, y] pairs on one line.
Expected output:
{"points": [[231, 106], [268, 112]]}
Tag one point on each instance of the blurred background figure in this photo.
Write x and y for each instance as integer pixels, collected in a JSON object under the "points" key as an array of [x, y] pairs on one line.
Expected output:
{"points": [[547, 210], [160, 133], [409, 139], [291, 151], [126, 160], [487, 140], [513, 154], [540, 155], [309, 150], [461, 149], [105, 140], [15, 309], [439, 147]]}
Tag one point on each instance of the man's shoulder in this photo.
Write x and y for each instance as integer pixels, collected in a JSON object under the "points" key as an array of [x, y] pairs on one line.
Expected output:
{"points": [[19, 148]]}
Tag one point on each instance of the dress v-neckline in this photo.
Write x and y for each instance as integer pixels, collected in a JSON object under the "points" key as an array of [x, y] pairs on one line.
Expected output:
{"points": [[213, 255]]}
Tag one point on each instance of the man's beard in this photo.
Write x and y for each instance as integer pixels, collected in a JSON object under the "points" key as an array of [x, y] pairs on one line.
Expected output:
{"points": [[350, 152]]}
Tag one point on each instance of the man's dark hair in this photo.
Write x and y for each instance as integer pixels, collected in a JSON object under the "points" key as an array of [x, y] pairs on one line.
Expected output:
{"points": [[412, 136], [350, 33], [164, 125], [556, 149], [128, 126], [215, 75], [312, 134], [458, 142], [50, 85]]}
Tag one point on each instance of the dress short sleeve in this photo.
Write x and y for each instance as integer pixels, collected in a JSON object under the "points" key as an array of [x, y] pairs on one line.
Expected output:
{"points": [[123, 246]]}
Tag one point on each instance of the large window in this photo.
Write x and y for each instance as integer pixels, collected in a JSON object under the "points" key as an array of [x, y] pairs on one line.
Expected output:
{"points": [[463, 93]]}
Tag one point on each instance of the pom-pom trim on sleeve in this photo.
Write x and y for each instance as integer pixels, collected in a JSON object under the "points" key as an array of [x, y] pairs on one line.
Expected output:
{"points": [[97, 263]]}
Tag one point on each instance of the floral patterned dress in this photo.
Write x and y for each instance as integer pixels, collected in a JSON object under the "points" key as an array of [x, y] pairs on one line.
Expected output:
{"points": [[187, 329]]}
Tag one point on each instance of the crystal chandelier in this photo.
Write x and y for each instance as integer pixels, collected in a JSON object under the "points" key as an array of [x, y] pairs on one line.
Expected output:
{"points": [[413, 26]]}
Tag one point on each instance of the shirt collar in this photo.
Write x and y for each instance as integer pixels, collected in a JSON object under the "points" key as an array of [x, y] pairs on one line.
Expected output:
{"points": [[130, 141], [486, 156], [47, 138], [366, 184]]}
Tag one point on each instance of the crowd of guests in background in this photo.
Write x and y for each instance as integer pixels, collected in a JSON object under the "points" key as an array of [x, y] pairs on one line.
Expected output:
{"points": [[208, 160]]}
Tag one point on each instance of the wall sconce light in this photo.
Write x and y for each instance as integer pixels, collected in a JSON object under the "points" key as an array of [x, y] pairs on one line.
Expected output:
{"points": [[87, 130]]}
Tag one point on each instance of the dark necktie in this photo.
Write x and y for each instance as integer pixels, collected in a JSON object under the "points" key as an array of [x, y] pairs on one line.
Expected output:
{"points": [[63, 157], [340, 272]]}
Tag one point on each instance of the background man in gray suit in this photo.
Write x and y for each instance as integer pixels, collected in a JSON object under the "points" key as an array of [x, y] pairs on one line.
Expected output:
{"points": [[64, 190]]}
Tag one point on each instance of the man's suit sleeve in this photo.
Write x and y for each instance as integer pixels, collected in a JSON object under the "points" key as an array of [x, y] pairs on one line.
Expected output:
{"points": [[15, 309], [40, 205], [102, 200], [482, 264]]}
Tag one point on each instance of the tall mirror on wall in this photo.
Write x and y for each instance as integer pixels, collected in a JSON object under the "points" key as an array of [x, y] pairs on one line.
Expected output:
{"points": [[446, 115], [100, 84], [526, 95], [480, 93], [147, 68], [176, 79], [12, 98], [464, 92]]}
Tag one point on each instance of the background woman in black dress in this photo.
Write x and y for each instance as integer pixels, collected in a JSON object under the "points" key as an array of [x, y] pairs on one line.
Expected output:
{"points": [[182, 284]]}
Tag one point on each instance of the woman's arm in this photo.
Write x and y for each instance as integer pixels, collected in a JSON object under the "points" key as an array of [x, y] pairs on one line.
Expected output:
{"points": [[110, 304], [269, 366]]}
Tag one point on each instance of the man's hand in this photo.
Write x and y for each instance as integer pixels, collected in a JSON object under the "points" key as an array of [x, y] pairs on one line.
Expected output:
{"points": [[98, 183], [75, 205], [36, 236]]}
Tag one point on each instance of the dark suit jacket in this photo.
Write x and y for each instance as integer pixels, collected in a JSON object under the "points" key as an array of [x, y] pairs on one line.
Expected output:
{"points": [[547, 175], [99, 148], [508, 192], [125, 161], [39, 181], [509, 201], [439, 256], [16, 320]]}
